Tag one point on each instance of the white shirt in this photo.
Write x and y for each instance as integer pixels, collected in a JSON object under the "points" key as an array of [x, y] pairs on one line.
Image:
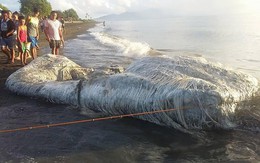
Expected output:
{"points": [[53, 27]]}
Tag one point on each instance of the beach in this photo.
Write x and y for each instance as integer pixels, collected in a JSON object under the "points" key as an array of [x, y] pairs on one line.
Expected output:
{"points": [[6, 97], [203, 51]]}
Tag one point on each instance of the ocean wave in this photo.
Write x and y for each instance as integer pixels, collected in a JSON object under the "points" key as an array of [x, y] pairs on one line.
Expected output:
{"points": [[206, 95], [124, 46]]}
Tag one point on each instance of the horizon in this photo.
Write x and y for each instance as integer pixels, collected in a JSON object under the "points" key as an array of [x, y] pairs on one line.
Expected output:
{"points": [[101, 8]]}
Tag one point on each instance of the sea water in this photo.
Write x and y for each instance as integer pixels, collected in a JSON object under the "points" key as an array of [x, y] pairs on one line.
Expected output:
{"points": [[229, 40], [233, 41]]}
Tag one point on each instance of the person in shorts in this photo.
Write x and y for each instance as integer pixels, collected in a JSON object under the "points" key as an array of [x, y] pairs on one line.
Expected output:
{"points": [[15, 16], [22, 40], [62, 24], [53, 33], [33, 31], [7, 28]]}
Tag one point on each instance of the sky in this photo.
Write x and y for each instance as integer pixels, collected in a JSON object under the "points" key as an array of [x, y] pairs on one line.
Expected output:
{"points": [[97, 8]]}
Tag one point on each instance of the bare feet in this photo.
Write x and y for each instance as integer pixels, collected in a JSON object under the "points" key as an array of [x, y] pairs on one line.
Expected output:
{"points": [[37, 47], [12, 60], [23, 63]]}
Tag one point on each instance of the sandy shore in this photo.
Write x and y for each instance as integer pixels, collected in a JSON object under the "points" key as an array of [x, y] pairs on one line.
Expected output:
{"points": [[8, 98]]}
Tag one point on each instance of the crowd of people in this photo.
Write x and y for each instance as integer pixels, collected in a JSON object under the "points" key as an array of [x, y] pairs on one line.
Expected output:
{"points": [[17, 30]]}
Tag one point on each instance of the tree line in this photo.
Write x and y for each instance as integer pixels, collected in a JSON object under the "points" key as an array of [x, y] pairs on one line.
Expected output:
{"points": [[45, 8]]}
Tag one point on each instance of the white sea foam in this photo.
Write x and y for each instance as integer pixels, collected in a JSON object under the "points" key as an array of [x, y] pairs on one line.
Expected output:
{"points": [[125, 47], [206, 95]]}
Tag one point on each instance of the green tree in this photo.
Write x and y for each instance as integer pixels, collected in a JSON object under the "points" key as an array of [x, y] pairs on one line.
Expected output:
{"points": [[70, 14], [27, 7], [3, 7]]}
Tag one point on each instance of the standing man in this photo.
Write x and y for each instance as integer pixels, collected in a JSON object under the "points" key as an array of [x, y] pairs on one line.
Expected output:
{"points": [[7, 28], [62, 24], [16, 23], [33, 31], [53, 33]]}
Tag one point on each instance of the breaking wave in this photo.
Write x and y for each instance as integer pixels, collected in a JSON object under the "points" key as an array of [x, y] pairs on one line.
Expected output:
{"points": [[206, 95], [124, 46]]}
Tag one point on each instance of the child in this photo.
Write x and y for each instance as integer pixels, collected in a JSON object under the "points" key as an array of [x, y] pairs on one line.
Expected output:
{"points": [[22, 40]]}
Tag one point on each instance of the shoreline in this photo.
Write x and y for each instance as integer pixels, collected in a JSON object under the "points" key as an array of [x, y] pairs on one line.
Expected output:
{"points": [[72, 30]]}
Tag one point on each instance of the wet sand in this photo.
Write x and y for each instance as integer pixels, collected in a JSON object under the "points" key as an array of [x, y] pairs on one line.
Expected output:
{"points": [[6, 97]]}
